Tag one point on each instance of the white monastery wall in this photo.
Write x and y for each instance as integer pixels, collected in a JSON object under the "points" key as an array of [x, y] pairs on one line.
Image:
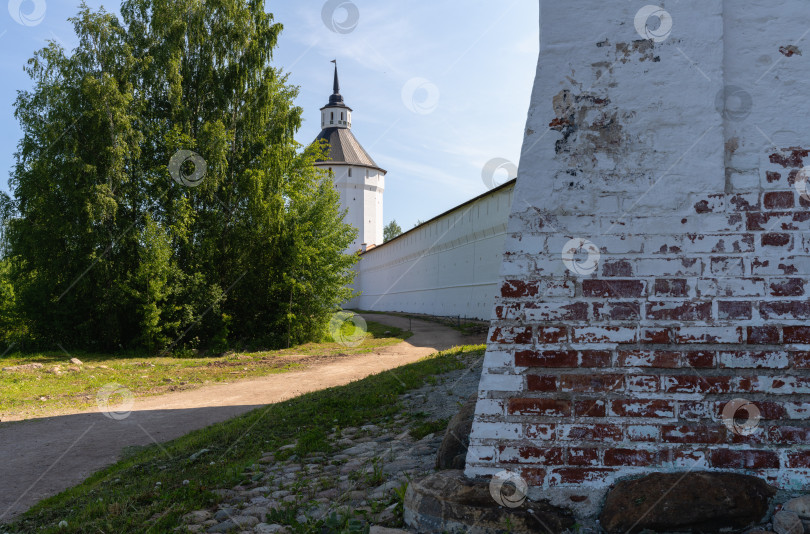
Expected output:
{"points": [[447, 266]]}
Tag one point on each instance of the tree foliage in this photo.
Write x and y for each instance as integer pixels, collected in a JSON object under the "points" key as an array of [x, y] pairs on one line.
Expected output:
{"points": [[391, 231], [106, 250]]}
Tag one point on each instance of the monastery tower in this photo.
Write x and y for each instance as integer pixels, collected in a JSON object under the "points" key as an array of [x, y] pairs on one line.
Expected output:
{"points": [[358, 179]]}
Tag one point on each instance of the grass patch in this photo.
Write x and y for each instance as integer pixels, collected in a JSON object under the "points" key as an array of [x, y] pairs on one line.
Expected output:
{"points": [[60, 386], [126, 496], [428, 427]]}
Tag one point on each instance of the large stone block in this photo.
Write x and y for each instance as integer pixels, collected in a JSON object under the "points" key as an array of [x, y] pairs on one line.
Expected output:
{"points": [[447, 501], [676, 502]]}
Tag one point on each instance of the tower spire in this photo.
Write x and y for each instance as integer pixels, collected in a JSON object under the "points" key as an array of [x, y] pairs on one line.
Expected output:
{"points": [[336, 85], [336, 99]]}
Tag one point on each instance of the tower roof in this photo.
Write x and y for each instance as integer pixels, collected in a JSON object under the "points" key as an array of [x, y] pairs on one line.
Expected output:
{"points": [[336, 100], [345, 149]]}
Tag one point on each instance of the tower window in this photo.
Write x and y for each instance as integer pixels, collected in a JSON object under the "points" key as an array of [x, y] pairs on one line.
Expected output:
{"points": [[350, 173], [341, 115]]}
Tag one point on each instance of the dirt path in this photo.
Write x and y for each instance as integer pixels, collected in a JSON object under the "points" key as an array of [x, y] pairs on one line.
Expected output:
{"points": [[42, 457]]}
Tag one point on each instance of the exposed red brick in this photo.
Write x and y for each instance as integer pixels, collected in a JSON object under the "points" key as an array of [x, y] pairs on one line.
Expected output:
{"points": [[743, 459], [612, 288], [534, 476], [693, 434], [577, 311], [595, 358], [788, 51], [700, 335], [546, 407], [583, 456], [791, 287], [518, 288], [513, 334], [551, 334], [592, 382], [778, 200], [642, 383], [758, 221], [741, 203], [700, 359], [781, 434], [509, 454], [791, 309], [684, 456], [794, 159], [617, 268], [764, 335], [801, 360], [655, 335], [540, 431], [642, 408], [768, 410], [546, 358], [642, 433], [695, 383], [772, 176], [590, 408], [798, 459], [796, 334], [543, 383], [757, 437], [692, 410], [635, 457], [687, 311], [590, 432], [775, 240], [578, 475], [677, 287], [510, 311], [648, 358], [604, 334], [617, 311], [733, 309]]}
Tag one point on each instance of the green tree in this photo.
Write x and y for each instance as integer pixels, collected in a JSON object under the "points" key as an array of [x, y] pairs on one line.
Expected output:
{"points": [[106, 250], [391, 231]]}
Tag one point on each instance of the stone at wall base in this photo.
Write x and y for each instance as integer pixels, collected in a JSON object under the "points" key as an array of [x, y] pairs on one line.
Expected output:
{"points": [[453, 450], [678, 502], [447, 501]]}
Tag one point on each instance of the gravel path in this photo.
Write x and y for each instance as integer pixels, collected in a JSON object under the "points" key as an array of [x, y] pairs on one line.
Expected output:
{"points": [[43, 457]]}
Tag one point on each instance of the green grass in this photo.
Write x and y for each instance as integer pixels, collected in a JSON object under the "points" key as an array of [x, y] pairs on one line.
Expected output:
{"points": [[126, 497], [36, 393], [421, 430]]}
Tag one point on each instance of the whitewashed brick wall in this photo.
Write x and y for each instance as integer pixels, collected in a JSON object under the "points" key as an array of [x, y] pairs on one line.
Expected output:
{"points": [[676, 154]]}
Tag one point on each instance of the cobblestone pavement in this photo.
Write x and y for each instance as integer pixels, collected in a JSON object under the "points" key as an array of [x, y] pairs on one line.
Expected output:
{"points": [[359, 484]]}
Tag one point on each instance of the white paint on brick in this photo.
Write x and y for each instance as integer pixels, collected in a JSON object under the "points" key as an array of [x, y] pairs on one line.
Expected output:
{"points": [[501, 382], [497, 430], [638, 124], [498, 358], [489, 407]]}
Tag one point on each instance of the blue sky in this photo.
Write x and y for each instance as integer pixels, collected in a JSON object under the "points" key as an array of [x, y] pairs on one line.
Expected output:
{"points": [[438, 87]]}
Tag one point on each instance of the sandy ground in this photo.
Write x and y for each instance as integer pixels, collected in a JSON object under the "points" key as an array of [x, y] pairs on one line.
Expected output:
{"points": [[41, 457]]}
